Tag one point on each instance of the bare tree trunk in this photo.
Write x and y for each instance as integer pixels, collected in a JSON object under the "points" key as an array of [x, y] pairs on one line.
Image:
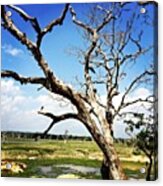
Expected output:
{"points": [[105, 173], [111, 168]]}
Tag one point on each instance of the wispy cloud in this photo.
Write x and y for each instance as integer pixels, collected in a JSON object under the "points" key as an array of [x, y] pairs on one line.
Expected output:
{"points": [[13, 51]]}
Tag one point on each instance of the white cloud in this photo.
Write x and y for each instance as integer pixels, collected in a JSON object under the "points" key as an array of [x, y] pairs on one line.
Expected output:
{"points": [[19, 111], [9, 49], [142, 92], [9, 88], [119, 126], [138, 93]]}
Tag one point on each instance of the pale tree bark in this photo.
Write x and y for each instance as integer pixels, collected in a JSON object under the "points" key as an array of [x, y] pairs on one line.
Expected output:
{"points": [[96, 116]]}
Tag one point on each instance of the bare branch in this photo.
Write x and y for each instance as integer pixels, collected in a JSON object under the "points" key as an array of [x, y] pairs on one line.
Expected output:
{"points": [[135, 55], [58, 21], [22, 79], [19, 35], [106, 20], [79, 23], [106, 61], [49, 128], [132, 84], [51, 25], [122, 4], [89, 84], [139, 100], [136, 42], [94, 39], [35, 24], [56, 119], [21, 12], [26, 17], [60, 117], [125, 36], [137, 79]]}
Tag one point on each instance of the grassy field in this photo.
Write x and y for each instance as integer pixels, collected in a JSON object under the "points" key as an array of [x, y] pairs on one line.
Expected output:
{"points": [[59, 159]]}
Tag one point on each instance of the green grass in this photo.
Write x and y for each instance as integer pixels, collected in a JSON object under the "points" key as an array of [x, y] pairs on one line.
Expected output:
{"points": [[53, 152]]}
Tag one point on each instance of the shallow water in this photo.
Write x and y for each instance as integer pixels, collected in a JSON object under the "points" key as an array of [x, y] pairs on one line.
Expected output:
{"points": [[81, 169], [67, 170], [46, 169]]}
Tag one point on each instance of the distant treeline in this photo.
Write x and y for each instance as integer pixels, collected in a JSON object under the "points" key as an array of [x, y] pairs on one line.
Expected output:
{"points": [[36, 136]]}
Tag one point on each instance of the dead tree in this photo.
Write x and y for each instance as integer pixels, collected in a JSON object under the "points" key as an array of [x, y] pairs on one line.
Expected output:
{"points": [[96, 116]]}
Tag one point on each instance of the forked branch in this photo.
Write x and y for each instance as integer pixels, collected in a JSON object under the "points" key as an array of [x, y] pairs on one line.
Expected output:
{"points": [[52, 24], [58, 21], [79, 23], [34, 21], [57, 118], [27, 17]]}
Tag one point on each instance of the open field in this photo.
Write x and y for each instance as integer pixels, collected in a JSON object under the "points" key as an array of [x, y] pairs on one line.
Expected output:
{"points": [[60, 159]]}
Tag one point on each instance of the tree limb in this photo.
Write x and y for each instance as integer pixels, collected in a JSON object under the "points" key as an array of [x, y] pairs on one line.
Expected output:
{"points": [[132, 84], [26, 17], [52, 24], [22, 79], [19, 35], [49, 128], [79, 23], [137, 79], [139, 100], [58, 21], [60, 117], [33, 21], [87, 68], [56, 119], [106, 20], [94, 39]]}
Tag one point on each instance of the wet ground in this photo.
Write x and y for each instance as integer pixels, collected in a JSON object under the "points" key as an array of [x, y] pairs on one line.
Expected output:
{"points": [[68, 171]]}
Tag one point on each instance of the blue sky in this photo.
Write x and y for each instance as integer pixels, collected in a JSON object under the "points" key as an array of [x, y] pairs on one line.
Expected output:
{"points": [[26, 100]]}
